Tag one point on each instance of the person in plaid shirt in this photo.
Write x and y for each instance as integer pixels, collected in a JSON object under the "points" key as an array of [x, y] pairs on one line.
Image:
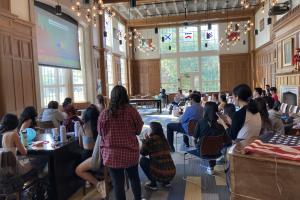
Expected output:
{"points": [[119, 125]]}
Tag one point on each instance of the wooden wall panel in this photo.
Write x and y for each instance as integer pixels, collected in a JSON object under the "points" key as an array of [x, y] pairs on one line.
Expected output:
{"points": [[146, 77], [17, 81], [5, 5], [234, 69]]}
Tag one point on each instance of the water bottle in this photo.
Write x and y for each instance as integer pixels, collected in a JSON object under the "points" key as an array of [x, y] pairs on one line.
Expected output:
{"points": [[76, 129], [24, 137], [63, 133], [55, 134]]}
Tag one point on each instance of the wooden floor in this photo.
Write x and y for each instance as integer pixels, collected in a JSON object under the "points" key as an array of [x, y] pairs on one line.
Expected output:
{"points": [[199, 185]]}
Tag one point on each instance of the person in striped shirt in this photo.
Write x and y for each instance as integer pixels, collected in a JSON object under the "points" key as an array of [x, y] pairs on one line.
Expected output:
{"points": [[159, 167]]}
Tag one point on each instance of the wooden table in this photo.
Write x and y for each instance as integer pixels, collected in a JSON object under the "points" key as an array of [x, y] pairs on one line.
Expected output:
{"points": [[262, 177], [62, 161], [143, 101]]}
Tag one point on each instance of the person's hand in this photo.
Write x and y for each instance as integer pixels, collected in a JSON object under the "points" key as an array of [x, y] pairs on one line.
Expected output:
{"points": [[222, 122], [146, 136], [229, 120]]}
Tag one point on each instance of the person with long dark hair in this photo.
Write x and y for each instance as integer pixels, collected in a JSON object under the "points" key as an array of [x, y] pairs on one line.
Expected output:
{"points": [[27, 118], [71, 118], [275, 115], [119, 125], [266, 122], [246, 122], [223, 102], [9, 137], [66, 102], [101, 102], [159, 167], [208, 126]]}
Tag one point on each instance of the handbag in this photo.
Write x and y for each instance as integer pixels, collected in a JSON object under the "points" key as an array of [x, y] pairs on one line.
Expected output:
{"points": [[96, 156]]}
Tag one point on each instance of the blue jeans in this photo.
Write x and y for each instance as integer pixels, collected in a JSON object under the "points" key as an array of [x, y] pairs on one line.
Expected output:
{"points": [[118, 180], [171, 127]]}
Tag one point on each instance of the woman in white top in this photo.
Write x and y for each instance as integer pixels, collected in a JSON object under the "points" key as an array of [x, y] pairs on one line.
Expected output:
{"points": [[9, 137], [246, 122]]}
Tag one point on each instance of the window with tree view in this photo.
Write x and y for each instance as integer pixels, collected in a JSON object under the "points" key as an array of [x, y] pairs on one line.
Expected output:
{"points": [[168, 40], [168, 77], [210, 73]]}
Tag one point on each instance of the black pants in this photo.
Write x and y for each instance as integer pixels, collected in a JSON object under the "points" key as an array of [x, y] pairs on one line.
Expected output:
{"points": [[118, 179], [145, 165], [171, 127]]}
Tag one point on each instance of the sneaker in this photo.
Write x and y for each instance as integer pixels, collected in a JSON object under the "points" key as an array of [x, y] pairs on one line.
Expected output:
{"points": [[210, 171], [166, 185], [100, 187], [151, 186]]}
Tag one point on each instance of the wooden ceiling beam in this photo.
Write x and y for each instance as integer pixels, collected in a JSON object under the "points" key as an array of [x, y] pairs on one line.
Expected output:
{"points": [[219, 16]]}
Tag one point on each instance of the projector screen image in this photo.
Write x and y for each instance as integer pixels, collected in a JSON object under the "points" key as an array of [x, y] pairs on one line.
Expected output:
{"points": [[57, 40]]}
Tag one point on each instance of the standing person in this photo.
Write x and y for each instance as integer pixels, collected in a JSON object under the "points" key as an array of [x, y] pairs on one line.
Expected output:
{"points": [[119, 126], [193, 112], [246, 122], [159, 167], [163, 97], [52, 114], [27, 118], [273, 91]]}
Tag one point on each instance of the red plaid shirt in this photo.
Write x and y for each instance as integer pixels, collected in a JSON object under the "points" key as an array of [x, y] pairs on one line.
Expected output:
{"points": [[119, 144]]}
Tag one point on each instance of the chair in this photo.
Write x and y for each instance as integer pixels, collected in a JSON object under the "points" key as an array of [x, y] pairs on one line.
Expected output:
{"points": [[210, 149], [283, 107], [45, 125], [191, 129]]}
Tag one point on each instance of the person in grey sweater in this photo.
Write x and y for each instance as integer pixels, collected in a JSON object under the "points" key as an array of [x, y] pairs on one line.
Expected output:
{"points": [[274, 115], [53, 114]]}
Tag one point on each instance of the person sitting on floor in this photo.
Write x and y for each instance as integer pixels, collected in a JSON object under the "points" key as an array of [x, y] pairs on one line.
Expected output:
{"points": [[159, 167], [266, 122], [257, 93], [246, 122], [193, 112], [71, 118], [275, 115], [27, 118], [223, 102], [53, 114]]}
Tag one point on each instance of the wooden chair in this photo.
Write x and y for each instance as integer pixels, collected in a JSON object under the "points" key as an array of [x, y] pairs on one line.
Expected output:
{"points": [[45, 127]]}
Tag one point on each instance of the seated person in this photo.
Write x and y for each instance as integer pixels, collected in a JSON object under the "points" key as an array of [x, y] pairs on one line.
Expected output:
{"points": [[193, 112], [53, 114], [178, 97], [159, 167], [27, 118], [223, 102], [9, 137], [273, 91], [246, 122], [88, 136], [66, 102], [229, 110], [71, 118], [275, 115], [92, 164], [266, 126], [215, 98], [257, 93], [208, 126], [101, 102]]}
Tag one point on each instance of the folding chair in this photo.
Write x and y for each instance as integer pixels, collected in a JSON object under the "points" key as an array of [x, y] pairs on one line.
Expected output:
{"points": [[191, 129], [210, 149]]}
